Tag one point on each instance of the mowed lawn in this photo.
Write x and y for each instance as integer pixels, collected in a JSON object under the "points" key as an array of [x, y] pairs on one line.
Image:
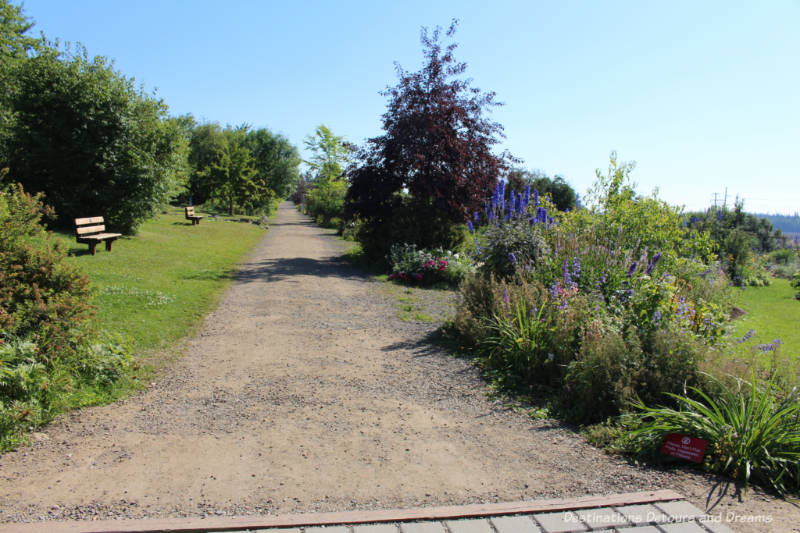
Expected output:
{"points": [[155, 287], [773, 313]]}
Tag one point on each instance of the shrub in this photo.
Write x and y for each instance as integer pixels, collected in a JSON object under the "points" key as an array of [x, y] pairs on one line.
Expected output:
{"points": [[48, 358], [572, 302], [42, 298], [425, 267], [94, 143], [753, 430]]}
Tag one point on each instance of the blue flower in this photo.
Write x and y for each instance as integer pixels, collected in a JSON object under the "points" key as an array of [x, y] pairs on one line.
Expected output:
{"points": [[632, 269], [513, 258], [653, 263], [470, 226]]}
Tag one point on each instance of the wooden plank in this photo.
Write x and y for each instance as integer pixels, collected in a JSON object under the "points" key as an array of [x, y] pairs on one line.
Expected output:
{"points": [[89, 220], [190, 525], [90, 229]]}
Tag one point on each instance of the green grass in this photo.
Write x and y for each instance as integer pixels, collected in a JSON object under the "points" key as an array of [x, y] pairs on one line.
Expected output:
{"points": [[773, 313], [154, 288]]}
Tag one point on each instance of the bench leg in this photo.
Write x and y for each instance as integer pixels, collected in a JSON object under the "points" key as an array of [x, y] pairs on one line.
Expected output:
{"points": [[93, 248], [108, 244]]}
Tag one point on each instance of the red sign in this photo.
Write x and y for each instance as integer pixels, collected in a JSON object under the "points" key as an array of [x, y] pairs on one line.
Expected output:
{"points": [[684, 447]]}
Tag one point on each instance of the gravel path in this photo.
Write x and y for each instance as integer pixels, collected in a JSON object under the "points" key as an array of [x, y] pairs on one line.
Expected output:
{"points": [[304, 391]]}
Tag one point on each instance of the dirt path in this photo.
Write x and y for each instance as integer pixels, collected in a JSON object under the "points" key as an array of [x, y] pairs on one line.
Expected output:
{"points": [[304, 391]]}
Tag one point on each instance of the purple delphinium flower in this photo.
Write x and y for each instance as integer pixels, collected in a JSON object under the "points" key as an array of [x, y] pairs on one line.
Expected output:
{"points": [[527, 195], [476, 216], [747, 336], [519, 202], [576, 267], [719, 215], [541, 215], [693, 220], [513, 258], [565, 271], [511, 206], [535, 198], [653, 263], [470, 226], [632, 269]]}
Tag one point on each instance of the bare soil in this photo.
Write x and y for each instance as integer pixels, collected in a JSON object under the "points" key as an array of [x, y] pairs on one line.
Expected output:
{"points": [[304, 391]]}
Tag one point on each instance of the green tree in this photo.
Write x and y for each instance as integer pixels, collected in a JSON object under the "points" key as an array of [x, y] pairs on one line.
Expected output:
{"points": [[85, 136], [330, 154], [207, 145], [276, 160], [15, 46], [561, 194], [232, 177]]}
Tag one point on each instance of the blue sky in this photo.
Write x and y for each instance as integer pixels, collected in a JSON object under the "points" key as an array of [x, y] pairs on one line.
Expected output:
{"points": [[702, 95]]}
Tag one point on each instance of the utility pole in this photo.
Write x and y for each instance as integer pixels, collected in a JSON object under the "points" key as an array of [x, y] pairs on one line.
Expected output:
{"points": [[716, 198]]}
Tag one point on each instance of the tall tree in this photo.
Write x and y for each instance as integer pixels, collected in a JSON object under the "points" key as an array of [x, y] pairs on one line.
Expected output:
{"points": [[85, 136], [560, 192], [276, 160], [206, 148], [433, 166], [15, 45], [232, 176], [330, 154]]}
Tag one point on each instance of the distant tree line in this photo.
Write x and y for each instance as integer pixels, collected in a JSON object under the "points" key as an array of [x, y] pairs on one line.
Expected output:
{"points": [[785, 223], [82, 133]]}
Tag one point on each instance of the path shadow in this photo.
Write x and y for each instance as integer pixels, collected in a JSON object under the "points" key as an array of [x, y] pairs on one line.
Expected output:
{"points": [[283, 268]]}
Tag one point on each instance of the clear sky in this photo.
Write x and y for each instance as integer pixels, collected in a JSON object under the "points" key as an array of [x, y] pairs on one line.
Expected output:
{"points": [[703, 95]]}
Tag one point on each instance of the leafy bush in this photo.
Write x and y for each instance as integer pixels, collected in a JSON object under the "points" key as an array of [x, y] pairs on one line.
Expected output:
{"points": [[573, 303], [94, 143], [325, 202], [425, 267], [48, 358], [41, 297], [753, 430]]}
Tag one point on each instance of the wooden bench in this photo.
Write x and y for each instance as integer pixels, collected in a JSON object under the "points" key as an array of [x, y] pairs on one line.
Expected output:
{"points": [[92, 231], [191, 216]]}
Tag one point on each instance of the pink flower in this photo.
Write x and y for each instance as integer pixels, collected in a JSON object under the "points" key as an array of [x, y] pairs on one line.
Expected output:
{"points": [[419, 276]]}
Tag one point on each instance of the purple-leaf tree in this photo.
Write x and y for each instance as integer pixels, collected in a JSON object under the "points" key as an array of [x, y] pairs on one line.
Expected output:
{"points": [[433, 166]]}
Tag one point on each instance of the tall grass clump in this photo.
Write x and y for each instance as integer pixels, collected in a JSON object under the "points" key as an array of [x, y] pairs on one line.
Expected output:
{"points": [[754, 428]]}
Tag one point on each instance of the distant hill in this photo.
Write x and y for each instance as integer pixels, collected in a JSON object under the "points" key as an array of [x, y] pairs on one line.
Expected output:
{"points": [[785, 223]]}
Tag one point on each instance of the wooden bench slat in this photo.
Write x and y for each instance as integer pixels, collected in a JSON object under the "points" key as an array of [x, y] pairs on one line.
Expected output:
{"points": [[90, 229], [88, 220]]}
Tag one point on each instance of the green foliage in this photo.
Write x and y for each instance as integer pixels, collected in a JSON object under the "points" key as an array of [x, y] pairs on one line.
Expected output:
{"points": [[753, 430], [42, 297], [324, 197], [49, 358], [325, 202], [330, 154], [276, 161], [84, 135], [556, 189], [597, 306], [15, 46], [426, 267], [238, 169]]}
